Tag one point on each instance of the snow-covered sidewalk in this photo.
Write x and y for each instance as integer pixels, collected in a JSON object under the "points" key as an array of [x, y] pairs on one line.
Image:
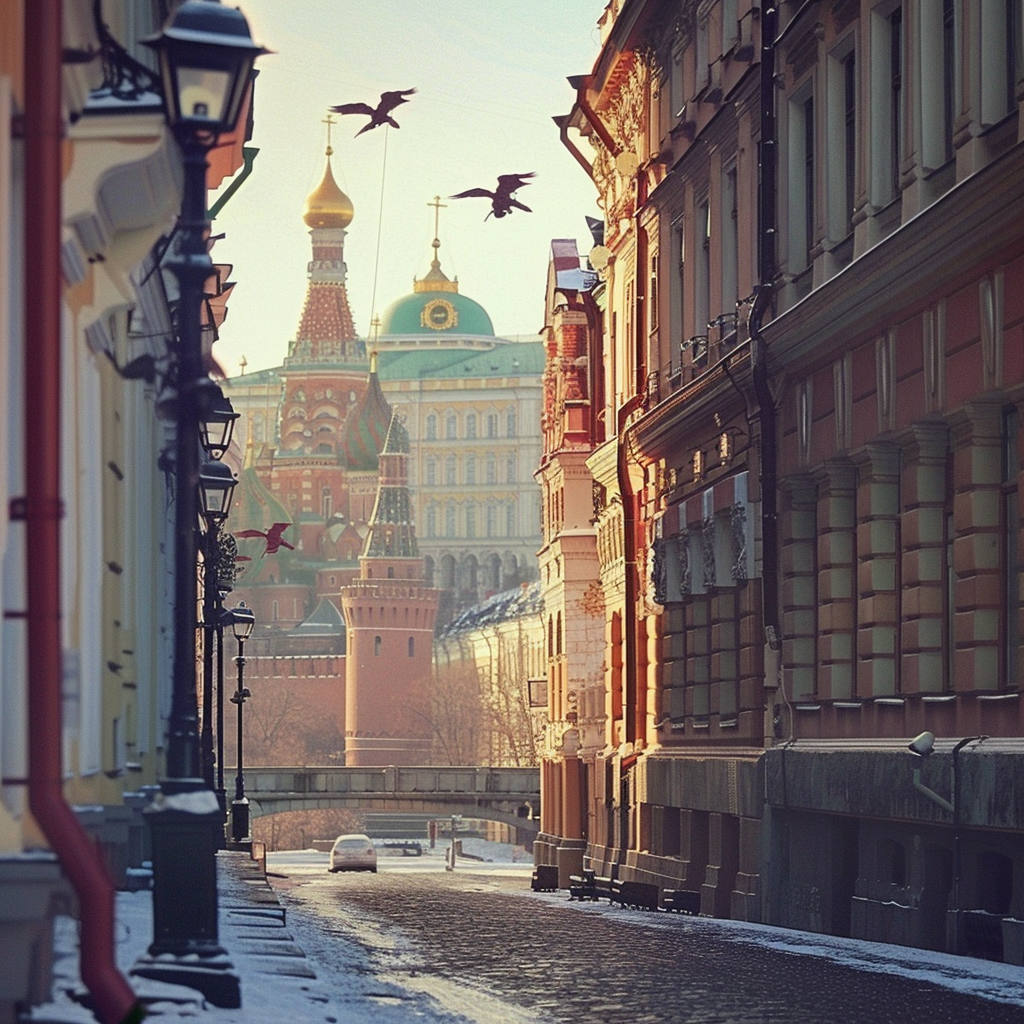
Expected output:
{"points": [[278, 981]]}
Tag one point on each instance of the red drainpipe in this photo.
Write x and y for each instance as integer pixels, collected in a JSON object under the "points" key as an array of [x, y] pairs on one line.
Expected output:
{"points": [[112, 996]]}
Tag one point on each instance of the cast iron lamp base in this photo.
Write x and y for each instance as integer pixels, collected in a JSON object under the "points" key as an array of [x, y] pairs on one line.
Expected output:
{"points": [[187, 829]]}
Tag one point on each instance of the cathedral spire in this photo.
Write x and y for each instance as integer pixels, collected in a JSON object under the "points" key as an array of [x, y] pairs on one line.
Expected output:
{"points": [[435, 280], [392, 534], [326, 332]]}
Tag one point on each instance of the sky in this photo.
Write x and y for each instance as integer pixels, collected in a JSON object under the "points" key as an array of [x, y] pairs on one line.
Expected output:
{"points": [[489, 74]]}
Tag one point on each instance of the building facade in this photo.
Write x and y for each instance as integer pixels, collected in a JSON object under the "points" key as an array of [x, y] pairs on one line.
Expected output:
{"points": [[807, 528], [82, 402]]}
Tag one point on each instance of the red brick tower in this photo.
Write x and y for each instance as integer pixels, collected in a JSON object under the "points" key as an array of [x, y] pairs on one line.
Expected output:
{"points": [[389, 614]]}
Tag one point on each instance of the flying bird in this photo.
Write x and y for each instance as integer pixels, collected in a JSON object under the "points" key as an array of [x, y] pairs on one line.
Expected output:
{"points": [[272, 537], [381, 114], [501, 198]]}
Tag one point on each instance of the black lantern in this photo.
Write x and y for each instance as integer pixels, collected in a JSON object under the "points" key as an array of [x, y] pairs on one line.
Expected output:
{"points": [[243, 619], [216, 486], [217, 426], [206, 60]]}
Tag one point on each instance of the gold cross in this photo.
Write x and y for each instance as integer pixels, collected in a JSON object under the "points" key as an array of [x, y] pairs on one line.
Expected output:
{"points": [[438, 207], [329, 120]]}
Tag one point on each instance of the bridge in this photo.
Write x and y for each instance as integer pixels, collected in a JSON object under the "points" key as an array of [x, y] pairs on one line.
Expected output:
{"points": [[508, 795]]}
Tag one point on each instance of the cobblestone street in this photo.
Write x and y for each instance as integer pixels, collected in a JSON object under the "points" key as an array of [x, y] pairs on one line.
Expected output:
{"points": [[491, 939]]}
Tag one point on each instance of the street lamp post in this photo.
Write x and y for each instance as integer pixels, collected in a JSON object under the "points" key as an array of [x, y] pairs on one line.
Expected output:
{"points": [[242, 621], [206, 57], [216, 485], [922, 746]]}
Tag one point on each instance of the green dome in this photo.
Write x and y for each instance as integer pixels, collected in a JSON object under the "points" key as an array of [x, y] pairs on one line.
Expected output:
{"points": [[436, 314]]}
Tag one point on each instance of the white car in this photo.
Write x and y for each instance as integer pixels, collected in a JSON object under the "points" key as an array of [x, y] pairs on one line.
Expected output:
{"points": [[353, 853]]}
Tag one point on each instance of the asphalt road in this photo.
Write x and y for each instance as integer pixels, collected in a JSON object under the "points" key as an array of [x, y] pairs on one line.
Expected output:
{"points": [[484, 947]]}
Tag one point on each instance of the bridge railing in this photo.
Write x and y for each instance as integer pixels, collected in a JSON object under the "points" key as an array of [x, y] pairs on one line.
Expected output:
{"points": [[511, 782]]}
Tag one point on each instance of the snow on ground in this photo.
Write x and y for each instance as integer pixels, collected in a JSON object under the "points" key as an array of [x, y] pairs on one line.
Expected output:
{"points": [[1001, 983], [351, 996]]}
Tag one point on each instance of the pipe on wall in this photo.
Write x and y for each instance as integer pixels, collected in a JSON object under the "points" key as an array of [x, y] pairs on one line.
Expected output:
{"points": [[764, 293], [80, 859]]}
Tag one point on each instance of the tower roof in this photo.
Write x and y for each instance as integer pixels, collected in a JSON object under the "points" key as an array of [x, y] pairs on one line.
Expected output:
{"points": [[327, 206], [259, 522], [366, 427], [435, 308], [391, 529]]}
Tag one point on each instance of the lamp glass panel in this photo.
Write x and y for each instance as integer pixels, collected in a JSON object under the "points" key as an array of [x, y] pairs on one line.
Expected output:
{"points": [[203, 94]]}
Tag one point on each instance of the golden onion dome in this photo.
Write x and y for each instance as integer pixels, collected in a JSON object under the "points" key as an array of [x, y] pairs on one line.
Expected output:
{"points": [[327, 206]]}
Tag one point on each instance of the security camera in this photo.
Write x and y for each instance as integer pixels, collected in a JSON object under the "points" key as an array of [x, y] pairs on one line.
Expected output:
{"points": [[922, 745]]}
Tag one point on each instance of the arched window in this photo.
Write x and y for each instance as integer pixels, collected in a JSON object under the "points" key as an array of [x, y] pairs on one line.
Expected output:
{"points": [[391, 572], [431, 472], [412, 647], [377, 644], [471, 425], [431, 427], [492, 424], [451, 425], [492, 470], [449, 470], [492, 520], [470, 469], [510, 469], [471, 520], [511, 423], [510, 519], [449, 519], [431, 520]]}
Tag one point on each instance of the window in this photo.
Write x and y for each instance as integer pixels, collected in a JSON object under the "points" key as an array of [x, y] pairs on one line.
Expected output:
{"points": [[730, 248], [431, 427], [412, 647], [849, 136], [492, 520], [702, 282], [808, 176], [431, 520], [510, 423], [652, 294], [801, 180], [895, 98], [492, 424], [451, 425], [431, 472], [378, 643], [510, 519], [938, 61], [510, 469], [470, 469], [449, 519], [449, 470], [948, 75], [471, 425], [1000, 64], [492, 470], [326, 503], [471, 520]]}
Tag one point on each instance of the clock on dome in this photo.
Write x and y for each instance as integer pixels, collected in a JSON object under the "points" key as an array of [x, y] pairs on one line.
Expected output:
{"points": [[439, 314]]}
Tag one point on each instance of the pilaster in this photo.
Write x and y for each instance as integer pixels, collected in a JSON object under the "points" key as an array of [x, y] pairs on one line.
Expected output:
{"points": [[977, 475], [878, 583], [837, 604], [924, 542]]}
